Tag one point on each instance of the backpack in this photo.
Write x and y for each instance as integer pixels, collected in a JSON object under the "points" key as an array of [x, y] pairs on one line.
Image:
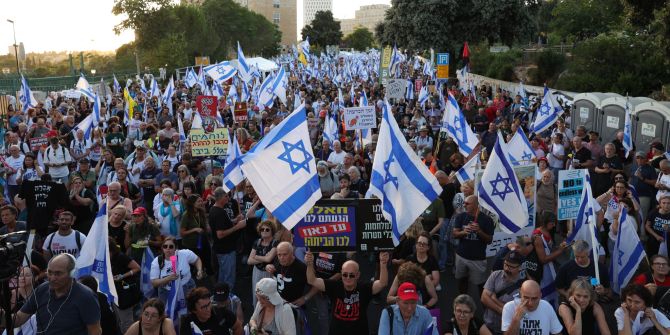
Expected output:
{"points": [[77, 238], [301, 327]]}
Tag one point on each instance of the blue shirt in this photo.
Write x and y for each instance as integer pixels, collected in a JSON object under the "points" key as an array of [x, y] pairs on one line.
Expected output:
{"points": [[418, 323]]}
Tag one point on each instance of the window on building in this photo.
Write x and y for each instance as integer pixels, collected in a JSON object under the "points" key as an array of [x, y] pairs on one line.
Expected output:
{"points": [[275, 3], [275, 18]]}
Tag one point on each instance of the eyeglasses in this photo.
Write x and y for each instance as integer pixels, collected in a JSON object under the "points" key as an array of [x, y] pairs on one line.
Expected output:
{"points": [[511, 267], [422, 244], [205, 306], [150, 315], [660, 264], [461, 311], [266, 230], [348, 275], [168, 246]]}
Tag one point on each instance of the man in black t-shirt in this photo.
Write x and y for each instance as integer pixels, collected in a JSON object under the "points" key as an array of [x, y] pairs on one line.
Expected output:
{"points": [[582, 266], [210, 321], [326, 266], [348, 297], [290, 275], [225, 235], [43, 197], [581, 156]]}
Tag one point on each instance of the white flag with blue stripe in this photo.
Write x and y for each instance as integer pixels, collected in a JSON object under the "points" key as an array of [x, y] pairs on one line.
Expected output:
{"points": [[547, 283], [364, 99], [340, 101], [282, 169], [191, 78], [274, 85], [26, 96], [85, 88], [409, 93], [145, 274], [519, 150], [217, 90], [627, 132], [96, 110], [180, 127], [195, 330], [330, 129], [94, 257], [499, 191], [399, 178], [175, 306], [547, 114], [458, 128], [166, 99], [143, 87], [86, 125], [245, 93], [423, 96], [154, 90], [117, 86], [352, 94], [243, 69], [221, 72], [521, 91], [585, 228], [627, 254], [394, 64], [232, 172], [468, 170]]}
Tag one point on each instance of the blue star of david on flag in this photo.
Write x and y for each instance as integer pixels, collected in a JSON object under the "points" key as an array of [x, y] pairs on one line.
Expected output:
{"points": [[545, 109], [389, 178], [457, 125], [506, 183], [220, 70], [527, 155], [288, 158]]}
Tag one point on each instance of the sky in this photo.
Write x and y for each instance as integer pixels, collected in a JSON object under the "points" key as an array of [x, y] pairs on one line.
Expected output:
{"points": [[83, 25]]}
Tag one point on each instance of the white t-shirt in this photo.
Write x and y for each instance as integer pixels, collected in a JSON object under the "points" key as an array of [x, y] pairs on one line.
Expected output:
{"points": [[79, 147], [185, 258], [541, 321], [16, 164], [665, 180], [556, 150], [133, 164], [96, 150], [64, 244], [57, 156], [336, 158], [641, 324]]}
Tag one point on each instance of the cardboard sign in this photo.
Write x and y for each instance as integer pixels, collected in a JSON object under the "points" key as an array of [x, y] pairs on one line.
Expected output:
{"points": [[570, 188], [206, 105], [396, 88], [214, 143], [241, 113], [360, 118], [37, 142], [344, 225]]}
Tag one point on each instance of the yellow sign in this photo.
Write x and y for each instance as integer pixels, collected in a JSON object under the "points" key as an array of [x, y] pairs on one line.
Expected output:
{"points": [[202, 61], [209, 144], [442, 71], [384, 65]]}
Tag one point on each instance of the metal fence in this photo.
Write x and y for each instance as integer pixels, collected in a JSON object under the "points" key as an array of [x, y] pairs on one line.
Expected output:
{"points": [[11, 85]]}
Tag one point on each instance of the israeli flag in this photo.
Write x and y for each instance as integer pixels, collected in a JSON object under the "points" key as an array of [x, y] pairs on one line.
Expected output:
{"points": [[273, 86], [166, 99], [627, 254], [454, 123], [191, 78], [195, 330], [364, 99], [243, 70], [352, 94], [340, 100], [245, 93], [117, 86], [280, 91], [521, 91], [409, 93], [432, 329], [399, 178], [547, 114], [585, 226], [217, 90], [175, 306], [232, 173], [547, 283], [468, 170], [330, 129], [518, 149], [394, 65], [86, 125], [423, 96], [627, 133], [232, 93], [427, 69], [499, 191], [304, 47], [145, 274], [366, 135], [96, 110], [221, 72], [143, 87], [154, 90], [180, 127], [282, 169], [26, 97], [85, 88], [94, 257]]}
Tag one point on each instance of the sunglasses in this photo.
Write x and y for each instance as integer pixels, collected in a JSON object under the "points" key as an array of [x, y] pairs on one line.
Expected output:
{"points": [[168, 246], [348, 275], [266, 230]]}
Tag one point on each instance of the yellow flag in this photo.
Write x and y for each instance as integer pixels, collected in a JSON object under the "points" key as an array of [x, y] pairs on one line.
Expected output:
{"points": [[130, 102], [302, 59]]}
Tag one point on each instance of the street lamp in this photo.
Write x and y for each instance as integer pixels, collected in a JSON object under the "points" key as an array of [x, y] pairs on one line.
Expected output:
{"points": [[93, 72], [16, 48]]}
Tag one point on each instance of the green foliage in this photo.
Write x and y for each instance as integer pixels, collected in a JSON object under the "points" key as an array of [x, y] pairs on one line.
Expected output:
{"points": [[549, 65], [616, 62], [585, 18], [360, 39], [640, 13], [495, 65], [137, 12], [323, 30]]}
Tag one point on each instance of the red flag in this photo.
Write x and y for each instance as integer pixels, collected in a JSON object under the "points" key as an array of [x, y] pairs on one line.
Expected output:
{"points": [[466, 50]]}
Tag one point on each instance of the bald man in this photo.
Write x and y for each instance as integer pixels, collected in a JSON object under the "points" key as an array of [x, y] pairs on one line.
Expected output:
{"points": [[62, 305], [349, 298], [291, 276], [529, 314]]}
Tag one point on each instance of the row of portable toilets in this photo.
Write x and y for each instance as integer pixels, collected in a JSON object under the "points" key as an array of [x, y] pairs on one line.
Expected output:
{"points": [[604, 113]]}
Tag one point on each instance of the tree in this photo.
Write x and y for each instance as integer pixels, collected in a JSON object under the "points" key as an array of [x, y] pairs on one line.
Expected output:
{"points": [[583, 19], [360, 39], [323, 30], [137, 12]]}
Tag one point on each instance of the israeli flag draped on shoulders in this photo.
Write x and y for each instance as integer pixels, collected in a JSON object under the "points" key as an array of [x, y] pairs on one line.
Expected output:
{"points": [[94, 257], [195, 330], [458, 128], [26, 97], [232, 173], [585, 225], [519, 150], [627, 132], [399, 178], [627, 254], [547, 283], [499, 191], [547, 114], [282, 169], [145, 274]]}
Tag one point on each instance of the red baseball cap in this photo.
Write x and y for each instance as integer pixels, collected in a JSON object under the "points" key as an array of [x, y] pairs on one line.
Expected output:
{"points": [[407, 291], [140, 211], [52, 133]]}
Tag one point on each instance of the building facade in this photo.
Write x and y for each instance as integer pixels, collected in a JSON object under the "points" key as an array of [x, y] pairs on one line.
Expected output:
{"points": [[366, 16], [310, 7]]}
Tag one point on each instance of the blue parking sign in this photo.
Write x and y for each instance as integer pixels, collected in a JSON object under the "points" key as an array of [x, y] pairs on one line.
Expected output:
{"points": [[443, 59]]}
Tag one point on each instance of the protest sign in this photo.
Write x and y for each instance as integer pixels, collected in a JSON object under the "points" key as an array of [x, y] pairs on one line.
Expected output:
{"points": [[206, 105], [241, 113], [37, 142], [384, 65], [570, 188], [214, 143], [396, 88], [360, 117], [344, 225], [418, 85]]}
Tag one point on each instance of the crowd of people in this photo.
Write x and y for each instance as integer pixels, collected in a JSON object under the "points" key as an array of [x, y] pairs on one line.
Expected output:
{"points": [[159, 195]]}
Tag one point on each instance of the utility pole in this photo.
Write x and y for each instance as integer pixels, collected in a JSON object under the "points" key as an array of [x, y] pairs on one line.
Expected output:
{"points": [[16, 48]]}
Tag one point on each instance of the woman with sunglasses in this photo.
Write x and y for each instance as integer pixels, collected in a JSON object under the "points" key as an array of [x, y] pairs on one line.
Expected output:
{"points": [[153, 320], [208, 319], [610, 201], [581, 314], [464, 321], [164, 271], [262, 253]]}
